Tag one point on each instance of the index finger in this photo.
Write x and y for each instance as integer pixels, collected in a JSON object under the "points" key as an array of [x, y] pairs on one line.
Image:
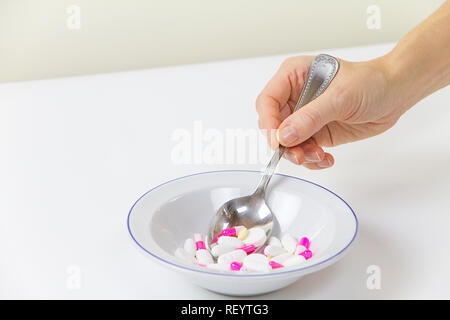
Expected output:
{"points": [[269, 103]]}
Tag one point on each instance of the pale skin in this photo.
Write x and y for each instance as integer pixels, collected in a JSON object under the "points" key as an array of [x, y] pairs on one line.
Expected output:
{"points": [[365, 98]]}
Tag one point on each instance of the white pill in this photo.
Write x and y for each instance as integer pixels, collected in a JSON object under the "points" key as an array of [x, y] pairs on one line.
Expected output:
{"points": [[289, 243], [218, 266], [294, 260], [282, 257], [220, 249], [274, 241], [257, 262], [204, 257], [186, 256], [256, 236], [230, 241], [299, 249], [189, 246], [274, 251], [236, 255]]}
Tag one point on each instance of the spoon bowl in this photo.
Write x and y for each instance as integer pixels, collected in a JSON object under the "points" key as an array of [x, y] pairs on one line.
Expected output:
{"points": [[249, 211]]}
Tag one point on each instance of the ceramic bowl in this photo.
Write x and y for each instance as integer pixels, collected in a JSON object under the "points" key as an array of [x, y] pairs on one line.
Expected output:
{"points": [[165, 216]]}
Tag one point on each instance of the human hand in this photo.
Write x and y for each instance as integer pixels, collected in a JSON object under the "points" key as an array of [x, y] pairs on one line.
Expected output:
{"points": [[360, 102]]}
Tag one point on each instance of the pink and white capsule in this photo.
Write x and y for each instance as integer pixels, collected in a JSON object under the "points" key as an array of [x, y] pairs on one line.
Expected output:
{"points": [[248, 249], [273, 251], [230, 241], [299, 249], [275, 265], [305, 242], [228, 258], [257, 262], [235, 266], [307, 254], [199, 241], [256, 236], [203, 256], [289, 243], [232, 232]]}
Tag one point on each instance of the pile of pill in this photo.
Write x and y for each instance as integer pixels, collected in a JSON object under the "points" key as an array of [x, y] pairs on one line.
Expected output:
{"points": [[234, 250]]}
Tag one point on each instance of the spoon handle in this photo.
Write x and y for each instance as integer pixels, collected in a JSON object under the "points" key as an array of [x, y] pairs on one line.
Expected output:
{"points": [[323, 69]]}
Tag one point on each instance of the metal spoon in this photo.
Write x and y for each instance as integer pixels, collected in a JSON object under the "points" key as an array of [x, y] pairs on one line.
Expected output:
{"points": [[252, 211]]}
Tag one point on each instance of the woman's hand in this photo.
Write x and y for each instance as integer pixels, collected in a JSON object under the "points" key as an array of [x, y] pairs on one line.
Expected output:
{"points": [[358, 104]]}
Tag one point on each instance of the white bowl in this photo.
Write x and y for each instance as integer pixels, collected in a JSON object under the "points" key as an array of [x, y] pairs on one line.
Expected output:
{"points": [[165, 216]]}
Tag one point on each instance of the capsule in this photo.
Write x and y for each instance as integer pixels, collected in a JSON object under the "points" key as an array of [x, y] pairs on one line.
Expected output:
{"points": [[305, 242], [275, 265], [248, 249], [235, 266], [307, 254], [199, 241]]}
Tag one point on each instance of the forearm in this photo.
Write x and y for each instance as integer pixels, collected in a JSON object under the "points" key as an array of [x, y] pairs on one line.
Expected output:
{"points": [[420, 63]]}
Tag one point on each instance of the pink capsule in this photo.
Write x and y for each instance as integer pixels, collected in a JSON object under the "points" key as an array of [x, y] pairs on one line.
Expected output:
{"points": [[216, 238], [199, 241], [307, 254], [231, 232], [248, 249], [305, 242], [275, 265], [236, 266]]}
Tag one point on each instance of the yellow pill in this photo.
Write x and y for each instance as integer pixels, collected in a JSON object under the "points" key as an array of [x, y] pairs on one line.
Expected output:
{"points": [[243, 234]]}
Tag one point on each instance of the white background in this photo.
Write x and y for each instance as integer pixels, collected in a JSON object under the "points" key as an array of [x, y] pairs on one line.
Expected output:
{"points": [[77, 152]]}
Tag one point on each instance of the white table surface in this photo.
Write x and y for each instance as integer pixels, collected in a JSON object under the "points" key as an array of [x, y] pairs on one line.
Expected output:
{"points": [[77, 152]]}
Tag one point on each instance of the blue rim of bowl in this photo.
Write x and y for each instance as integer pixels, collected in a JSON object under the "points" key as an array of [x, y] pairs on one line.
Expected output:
{"points": [[242, 275]]}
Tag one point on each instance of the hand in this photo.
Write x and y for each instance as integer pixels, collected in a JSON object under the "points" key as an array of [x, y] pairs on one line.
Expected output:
{"points": [[359, 103]]}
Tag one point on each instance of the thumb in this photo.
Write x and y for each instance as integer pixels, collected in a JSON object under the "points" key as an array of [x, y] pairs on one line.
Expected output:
{"points": [[306, 121]]}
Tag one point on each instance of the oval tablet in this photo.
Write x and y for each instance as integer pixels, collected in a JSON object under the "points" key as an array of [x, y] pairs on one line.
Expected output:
{"points": [[220, 249], [256, 236], [204, 257], [228, 258], [230, 241], [294, 260], [289, 243], [257, 262]]}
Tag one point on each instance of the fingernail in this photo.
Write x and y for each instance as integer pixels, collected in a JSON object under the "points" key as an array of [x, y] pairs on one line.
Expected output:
{"points": [[287, 135], [325, 163], [291, 157], [312, 156]]}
